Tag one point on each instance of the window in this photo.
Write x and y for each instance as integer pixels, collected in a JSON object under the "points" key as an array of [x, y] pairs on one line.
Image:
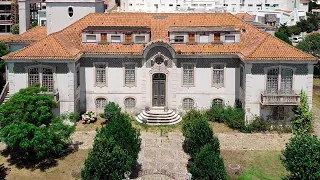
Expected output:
{"points": [[101, 73], [241, 77], [225, 4], [278, 113], [259, 5], [91, 38], [41, 75], [178, 39], [78, 76], [170, 4], [140, 39], [115, 39], [188, 74], [267, 5], [218, 74], [129, 103], [230, 39], [279, 77], [101, 103], [217, 102], [43, 22], [70, 11], [130, 74], [204, 38], [188, 104]]}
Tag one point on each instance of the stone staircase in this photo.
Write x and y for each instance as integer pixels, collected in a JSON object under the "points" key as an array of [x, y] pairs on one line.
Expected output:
{"points": [[159, 117], [6, 98]]}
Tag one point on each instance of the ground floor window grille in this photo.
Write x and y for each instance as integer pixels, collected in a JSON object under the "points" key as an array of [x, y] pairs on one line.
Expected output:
{"points": [[101, 103], [278, 113], [129, 103], [217, 102], [188, 104]]}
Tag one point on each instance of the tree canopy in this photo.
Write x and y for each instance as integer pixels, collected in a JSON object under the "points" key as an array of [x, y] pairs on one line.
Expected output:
{"points": [[311, 45], [30, 128]]}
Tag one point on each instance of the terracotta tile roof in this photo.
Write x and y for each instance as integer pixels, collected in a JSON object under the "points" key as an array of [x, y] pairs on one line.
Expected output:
{"points": [[67, 44], [107, 2], [32, 35], [286, 11], [244, 16], [6, 36]]}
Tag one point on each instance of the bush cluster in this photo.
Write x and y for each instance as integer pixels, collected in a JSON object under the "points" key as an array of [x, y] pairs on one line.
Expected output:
{"points": [[232, 117], [302, 157], [111, 110], [203, 147], [115, 149]]}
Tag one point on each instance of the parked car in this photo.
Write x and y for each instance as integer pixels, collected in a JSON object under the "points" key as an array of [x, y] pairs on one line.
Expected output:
{"points": [[297, 39]]}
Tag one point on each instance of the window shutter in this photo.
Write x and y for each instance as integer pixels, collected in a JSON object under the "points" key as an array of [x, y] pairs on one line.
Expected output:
{"points": [[191, 38], [103, 37], [128, 37], [216, 37]]}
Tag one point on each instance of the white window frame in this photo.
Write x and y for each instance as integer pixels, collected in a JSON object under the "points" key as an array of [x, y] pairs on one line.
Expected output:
{"points": [[174, 39], [118, 35], [98, 84], [230, 35], [224, 75], [183, 72], [125, 102], [134, 84], [204, 35], [280, 67], [187, 108], [91, 41], [140, 42], [40, 72], [96, 104]]}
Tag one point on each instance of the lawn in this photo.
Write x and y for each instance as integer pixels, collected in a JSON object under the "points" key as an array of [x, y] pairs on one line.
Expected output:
{"points": [[256, 165], [67, 168]]}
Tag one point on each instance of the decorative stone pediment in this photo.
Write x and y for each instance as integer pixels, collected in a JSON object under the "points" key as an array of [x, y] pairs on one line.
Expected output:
{"points": [[159, 68]]}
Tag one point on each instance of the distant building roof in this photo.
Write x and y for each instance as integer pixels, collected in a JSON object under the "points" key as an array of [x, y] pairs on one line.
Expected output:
{"points": [[30, 36], [244, 16]]}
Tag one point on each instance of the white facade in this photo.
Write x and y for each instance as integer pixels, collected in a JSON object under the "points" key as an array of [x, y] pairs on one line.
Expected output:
{"points": [[233, 6]]}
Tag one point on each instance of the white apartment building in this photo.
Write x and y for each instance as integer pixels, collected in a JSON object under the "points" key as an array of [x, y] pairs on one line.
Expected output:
{"points": [[273, 12]]}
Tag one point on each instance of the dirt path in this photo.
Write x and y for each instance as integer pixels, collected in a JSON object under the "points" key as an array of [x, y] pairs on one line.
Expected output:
{"points": [[316, 119]]}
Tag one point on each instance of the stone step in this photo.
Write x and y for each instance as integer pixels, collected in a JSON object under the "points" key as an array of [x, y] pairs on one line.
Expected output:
{"points": [[143, 116], [159, 117], [161, 122]]}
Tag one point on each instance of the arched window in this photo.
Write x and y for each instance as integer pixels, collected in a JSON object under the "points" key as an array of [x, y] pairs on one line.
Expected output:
{"points": [[188, 104], [70, 11], [217, 102], [101, 103], [129, 103]]}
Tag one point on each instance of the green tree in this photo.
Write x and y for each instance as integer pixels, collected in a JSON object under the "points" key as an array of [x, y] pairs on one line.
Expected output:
{"points": [[15, 29], [302, 157], [112, 109], [311, 45], [281, 35], [107, 160], [301, 123], [4, 50], [198, 134], [208, 165], [33, 24], [306, 26], [29, 126]]}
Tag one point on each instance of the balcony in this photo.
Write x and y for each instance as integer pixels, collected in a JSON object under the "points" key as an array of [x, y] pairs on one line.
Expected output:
{"points": [[55, 95], [280, 98]]}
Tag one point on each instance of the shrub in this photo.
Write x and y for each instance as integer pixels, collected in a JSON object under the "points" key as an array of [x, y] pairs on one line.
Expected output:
{"points": [[15, 29], [302, 157], [127, 137], [107, 160], [189, 117], [29, 127], [234, 118], [112, 109], [301, 123], [215, 113], [198, 134], [258, 125], [208, 165]]}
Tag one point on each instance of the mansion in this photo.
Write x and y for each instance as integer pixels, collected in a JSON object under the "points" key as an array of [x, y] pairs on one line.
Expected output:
{"points": [[167, 62]]}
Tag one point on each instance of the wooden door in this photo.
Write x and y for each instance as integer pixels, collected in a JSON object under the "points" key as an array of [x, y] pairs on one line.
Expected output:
{"points": [[158, 89], [216, 37], [103, 37]]}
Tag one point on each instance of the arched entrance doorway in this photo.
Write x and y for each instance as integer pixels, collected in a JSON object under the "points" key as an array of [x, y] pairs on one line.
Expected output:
{"points": [[158, 89]]}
